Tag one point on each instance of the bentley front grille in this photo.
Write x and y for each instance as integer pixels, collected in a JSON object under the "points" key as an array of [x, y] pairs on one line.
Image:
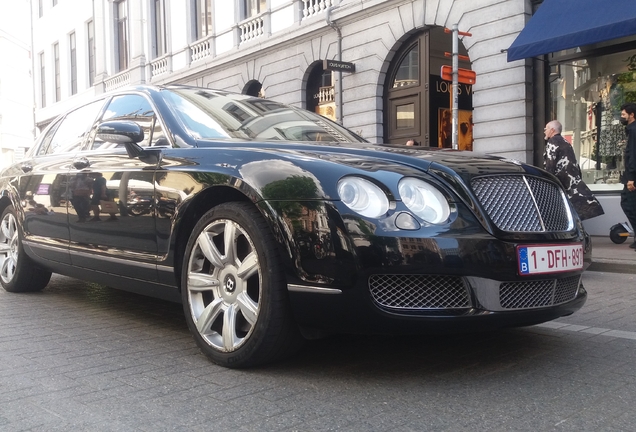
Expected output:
{"points": [[519, 203], [534, 294], [415, 292]]}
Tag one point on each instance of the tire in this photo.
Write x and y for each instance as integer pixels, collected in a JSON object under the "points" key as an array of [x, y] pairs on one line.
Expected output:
{"points": [[615, 234], [234, 291], [18, 273]]}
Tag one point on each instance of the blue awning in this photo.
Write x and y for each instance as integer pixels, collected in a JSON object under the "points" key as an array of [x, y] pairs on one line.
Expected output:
{"points": [[563, 24]]}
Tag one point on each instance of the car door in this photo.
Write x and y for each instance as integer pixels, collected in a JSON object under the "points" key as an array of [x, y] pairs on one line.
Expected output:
{"points": [[120, 240], [44, 188]]}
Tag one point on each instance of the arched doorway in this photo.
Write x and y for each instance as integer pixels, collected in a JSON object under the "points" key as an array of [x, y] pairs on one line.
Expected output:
{"points": [[253, 88], [321, 94], [417, 101]]}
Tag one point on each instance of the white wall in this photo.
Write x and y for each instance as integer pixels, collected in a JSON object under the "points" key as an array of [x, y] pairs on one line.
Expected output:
{"points": [[16, 85]]}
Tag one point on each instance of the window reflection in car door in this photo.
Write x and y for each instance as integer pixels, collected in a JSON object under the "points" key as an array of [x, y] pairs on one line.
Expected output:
{"points": [[44, 190], [120, 228]]}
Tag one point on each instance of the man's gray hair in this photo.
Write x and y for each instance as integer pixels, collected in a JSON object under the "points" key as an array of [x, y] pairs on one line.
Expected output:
{"points": [[556, 125]]}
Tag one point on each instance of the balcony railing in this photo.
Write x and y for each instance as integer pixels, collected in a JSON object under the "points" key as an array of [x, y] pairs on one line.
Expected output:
{"points": [[117, 81], [315, 7], [159, 66], [201, 49], [248, 30], [252, 29], [326, 94]]}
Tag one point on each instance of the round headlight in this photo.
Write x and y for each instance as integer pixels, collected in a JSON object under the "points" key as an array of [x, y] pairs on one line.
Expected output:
{"points": [[424, 200], [363, 197]]}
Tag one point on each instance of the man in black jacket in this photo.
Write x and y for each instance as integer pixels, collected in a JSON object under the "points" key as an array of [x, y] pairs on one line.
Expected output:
{"points": [[628, 195], [559, 159]]}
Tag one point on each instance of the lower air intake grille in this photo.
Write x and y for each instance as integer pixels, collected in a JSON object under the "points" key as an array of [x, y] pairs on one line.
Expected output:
{"points": [[533, 294], [419, 291]]}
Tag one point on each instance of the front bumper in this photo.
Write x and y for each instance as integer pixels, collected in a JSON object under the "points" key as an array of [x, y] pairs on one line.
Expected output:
{"points": [[450, 305]]}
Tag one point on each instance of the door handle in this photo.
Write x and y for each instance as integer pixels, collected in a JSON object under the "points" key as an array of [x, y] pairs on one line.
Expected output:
{"points": [[81, 163], [26, 167]]}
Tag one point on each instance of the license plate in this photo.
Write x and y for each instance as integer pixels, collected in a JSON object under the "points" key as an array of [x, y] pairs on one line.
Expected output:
{"points": [[549, 258]]}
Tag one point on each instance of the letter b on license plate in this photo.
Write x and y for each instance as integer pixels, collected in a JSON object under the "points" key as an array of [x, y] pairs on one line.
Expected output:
{"points": [[549, 258]]}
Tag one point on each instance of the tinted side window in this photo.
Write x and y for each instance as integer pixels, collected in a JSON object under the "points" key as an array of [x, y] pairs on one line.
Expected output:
{"points": [[134, 108], [69, 134]]}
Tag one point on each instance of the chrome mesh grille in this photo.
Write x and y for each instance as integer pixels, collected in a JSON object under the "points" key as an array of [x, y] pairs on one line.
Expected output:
{"points": [[522, 203], [566, 289], [419, 291], [533, 294], [549, 199]]}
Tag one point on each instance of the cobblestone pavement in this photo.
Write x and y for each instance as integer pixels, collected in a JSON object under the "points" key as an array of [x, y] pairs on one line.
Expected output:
{"points": [[83, 357]]}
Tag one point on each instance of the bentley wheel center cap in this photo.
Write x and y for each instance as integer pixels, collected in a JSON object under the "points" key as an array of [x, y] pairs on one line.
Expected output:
{"points": [[229, 284]]}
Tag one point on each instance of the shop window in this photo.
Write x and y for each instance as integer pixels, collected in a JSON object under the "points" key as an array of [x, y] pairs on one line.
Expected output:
{"points": [[586, 96], [321, 93]]}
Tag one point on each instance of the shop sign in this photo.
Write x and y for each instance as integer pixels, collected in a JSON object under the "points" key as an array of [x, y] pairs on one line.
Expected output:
{"points": [[338, 66]]}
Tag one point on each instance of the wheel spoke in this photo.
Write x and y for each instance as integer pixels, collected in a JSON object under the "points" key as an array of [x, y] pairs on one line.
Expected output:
{"points": [[210, 313], [202, 282], [229, 235], [7, 268], [8, 227], [248, 267], [229, 328], [210, 250], [248, 307], [4, 248]]}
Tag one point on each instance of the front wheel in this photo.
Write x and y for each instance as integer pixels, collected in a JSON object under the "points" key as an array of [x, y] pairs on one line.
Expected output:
{"points": [[18, 273], [234, 291], [618, 234]]}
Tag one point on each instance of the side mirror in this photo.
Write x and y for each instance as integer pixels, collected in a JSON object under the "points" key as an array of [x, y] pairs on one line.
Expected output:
{"points": [[120, 132], [128, 133]]}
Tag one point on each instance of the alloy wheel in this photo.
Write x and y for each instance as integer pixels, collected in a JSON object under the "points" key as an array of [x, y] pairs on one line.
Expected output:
{"points": [[8, 247], [224, 285]]}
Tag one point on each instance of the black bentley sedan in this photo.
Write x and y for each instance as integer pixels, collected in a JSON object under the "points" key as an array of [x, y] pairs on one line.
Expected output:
{"points": [[272, 224]]}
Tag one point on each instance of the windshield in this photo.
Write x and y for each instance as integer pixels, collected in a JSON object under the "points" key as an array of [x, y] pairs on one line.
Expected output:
{"points": [[210, 114]]}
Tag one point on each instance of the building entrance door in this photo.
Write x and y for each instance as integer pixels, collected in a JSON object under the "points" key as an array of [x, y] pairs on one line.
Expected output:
{"points": [[407, 95]]}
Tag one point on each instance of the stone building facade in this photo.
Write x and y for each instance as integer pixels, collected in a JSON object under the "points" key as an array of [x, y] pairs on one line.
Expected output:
{"points": [[280, 44]]}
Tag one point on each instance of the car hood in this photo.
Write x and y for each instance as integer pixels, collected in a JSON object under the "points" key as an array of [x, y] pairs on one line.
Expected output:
{"points": [[444, 162]]}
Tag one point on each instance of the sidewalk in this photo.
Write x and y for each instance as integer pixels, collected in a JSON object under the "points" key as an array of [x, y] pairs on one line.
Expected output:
{"points": [[611, 257]]}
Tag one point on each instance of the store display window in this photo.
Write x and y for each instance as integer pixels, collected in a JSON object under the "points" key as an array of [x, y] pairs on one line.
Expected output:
{"points": [[586, 96]]}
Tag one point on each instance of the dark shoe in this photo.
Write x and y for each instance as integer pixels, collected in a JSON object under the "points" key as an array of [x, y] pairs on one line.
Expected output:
{"points": [[633, 245], [95, 219]]}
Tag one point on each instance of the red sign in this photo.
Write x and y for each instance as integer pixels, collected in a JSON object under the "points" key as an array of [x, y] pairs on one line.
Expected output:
{"points": [[464, 76]]}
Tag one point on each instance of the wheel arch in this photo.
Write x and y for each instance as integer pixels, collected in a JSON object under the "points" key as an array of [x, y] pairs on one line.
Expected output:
{"points": [[204, 201]]}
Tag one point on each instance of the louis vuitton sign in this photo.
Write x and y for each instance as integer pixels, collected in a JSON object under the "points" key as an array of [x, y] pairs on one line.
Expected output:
{"points": [[338, 66]]}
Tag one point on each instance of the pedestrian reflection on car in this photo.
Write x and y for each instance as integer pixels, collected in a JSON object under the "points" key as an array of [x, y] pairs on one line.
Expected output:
{"points": [[80, 196]]}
